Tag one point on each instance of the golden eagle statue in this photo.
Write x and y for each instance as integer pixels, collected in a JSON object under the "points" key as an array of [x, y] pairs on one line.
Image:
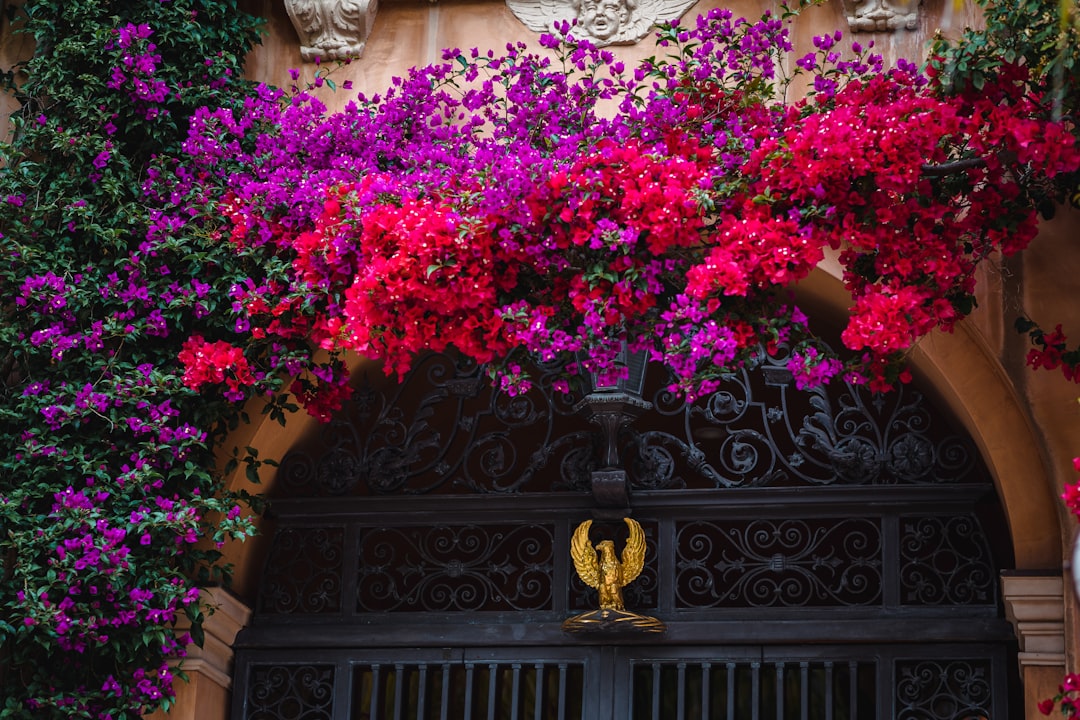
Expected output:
{"points": [[609, 576]]}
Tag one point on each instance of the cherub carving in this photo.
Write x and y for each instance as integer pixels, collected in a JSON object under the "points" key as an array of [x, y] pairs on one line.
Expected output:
{"points": [[602, 22], [331, 29]]}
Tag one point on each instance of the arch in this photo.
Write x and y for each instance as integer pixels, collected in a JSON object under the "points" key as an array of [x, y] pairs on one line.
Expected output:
{"points": [[961, 370]]}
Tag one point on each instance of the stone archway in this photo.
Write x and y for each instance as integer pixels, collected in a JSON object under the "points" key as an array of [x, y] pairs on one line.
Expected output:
{"points": [[962, 373]]}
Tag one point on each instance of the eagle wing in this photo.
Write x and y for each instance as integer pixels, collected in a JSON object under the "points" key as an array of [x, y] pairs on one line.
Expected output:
{"points": [[584, 555], [633, 554]]}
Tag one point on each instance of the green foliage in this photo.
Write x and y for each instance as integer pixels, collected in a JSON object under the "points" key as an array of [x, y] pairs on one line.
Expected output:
{"points": [[110, 507], [1036, 45]]}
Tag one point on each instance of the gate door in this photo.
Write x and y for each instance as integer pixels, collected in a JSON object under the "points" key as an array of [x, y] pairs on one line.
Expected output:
{"points": [[813, 554]]}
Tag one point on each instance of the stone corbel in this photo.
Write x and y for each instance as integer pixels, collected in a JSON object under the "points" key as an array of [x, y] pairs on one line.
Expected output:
{"points": [[1035, 605], [882, 15], [332, 29]]}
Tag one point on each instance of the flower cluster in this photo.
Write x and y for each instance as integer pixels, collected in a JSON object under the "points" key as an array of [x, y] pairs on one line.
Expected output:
{"points": [[216, 363], [511, 205], [1067, 698], [136, 73]]}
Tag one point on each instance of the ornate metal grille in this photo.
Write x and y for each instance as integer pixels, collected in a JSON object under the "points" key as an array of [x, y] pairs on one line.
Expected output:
{"points": [[819, 554], [444, 430]]}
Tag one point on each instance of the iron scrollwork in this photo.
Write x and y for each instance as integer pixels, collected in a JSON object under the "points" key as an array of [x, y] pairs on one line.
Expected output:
{"points": [[943, 689], [303, 571], [945, 561], [305, 692], [445, 429], [455, 568], [786, 563]]}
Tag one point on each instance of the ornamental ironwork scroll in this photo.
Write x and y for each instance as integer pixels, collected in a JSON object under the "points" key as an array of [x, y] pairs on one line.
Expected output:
{"points": [[304, 571], [945, 561], [943, 689], [455, 568], [445, 430], [279, 691], [778, 563]]}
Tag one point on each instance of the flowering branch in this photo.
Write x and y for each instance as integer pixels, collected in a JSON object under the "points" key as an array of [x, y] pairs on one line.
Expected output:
{"points": [[487, 204]]}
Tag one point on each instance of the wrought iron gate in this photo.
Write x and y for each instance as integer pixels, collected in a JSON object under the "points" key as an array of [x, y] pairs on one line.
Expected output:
{"points": [[813, 554]]}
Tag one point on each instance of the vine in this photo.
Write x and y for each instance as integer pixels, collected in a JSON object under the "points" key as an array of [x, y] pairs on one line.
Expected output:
{"points": [[111, 510]]}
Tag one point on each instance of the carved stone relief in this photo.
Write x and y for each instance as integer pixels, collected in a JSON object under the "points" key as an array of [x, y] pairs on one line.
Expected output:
{"points": [[602, 22], [332, 29], [882, 15]]}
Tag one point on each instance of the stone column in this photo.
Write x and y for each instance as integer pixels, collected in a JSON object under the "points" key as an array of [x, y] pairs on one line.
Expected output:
{"points": [[1035, 605], [209, 669]]}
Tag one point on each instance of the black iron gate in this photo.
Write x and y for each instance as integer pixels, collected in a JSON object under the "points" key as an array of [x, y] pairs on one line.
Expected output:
{"points": [[544, 683], [813, 554]]}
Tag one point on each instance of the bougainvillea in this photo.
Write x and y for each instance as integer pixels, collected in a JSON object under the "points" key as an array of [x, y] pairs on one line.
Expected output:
{"points": [[178, 242], [560, 205], [111, 509]]}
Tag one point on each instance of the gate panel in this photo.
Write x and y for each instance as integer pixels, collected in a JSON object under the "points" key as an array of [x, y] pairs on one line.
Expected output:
{"points": [[815, 555]]}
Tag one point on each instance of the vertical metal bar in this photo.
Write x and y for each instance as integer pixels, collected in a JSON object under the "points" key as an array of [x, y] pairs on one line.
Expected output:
{"points": [[665, 555], [655, 691], [884, 697], [376, 691], [680, 702], [538, 705], [890, 555], [342, 684], [399, 682], [515, 691], [779, 691], [853, 690], [804, 690], [469, 668], [706, 690], [444, 713], [562, 691], [493, 679], [731, 691], [421, 693], [560, 576], [828, 690], [755, 690]]}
